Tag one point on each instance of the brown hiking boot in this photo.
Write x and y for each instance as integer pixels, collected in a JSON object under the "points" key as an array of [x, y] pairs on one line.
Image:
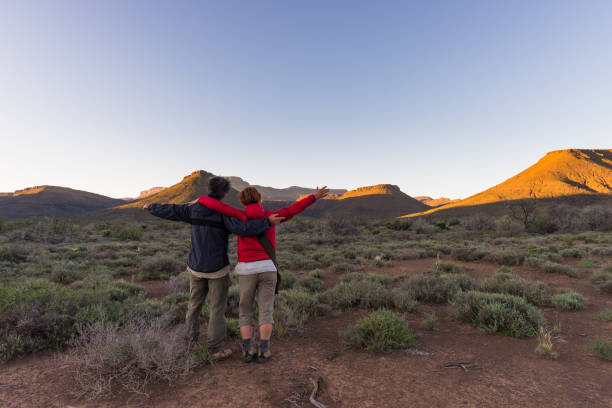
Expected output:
{"points": [[264, 355], [221, 355]]}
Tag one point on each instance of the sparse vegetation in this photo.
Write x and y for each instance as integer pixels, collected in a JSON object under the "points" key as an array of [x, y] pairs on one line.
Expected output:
{"points": [[569, 300], [603, 279], [604, 315], [602, 348], [436, 287], [429, 322], [494, 312], [380, 332], [545, 344]]}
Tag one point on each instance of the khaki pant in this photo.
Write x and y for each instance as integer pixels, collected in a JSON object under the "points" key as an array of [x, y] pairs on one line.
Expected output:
{"points": [[198, 289], [264, 283]]}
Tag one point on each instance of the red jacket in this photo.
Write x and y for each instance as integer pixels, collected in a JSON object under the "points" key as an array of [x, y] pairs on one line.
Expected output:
{"points": [[249, 249]]}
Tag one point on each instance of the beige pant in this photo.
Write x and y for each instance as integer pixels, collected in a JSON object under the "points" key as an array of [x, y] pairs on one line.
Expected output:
{"points": [[264, 283]]}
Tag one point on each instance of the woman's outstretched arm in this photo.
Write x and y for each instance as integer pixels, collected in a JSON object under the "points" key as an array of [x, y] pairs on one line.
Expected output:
{"points": [[221, 207], [292, 210]]}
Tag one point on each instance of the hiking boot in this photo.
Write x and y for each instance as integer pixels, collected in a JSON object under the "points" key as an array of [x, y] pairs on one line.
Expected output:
{"points": [[250, 355], [264, 355], [220, 355]]}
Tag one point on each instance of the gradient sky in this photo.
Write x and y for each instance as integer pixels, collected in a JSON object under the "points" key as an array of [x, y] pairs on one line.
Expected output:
{"points": [[443, 98]]}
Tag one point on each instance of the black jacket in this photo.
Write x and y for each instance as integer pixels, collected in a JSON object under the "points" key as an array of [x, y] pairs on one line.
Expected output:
{"points": [[209, 232]]}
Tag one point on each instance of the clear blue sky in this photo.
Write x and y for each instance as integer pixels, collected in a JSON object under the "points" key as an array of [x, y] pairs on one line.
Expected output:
{"points": [[439, 97]]}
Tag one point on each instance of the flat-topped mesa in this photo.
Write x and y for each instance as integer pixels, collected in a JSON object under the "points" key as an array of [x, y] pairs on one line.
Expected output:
{"points": [[378, 189]]}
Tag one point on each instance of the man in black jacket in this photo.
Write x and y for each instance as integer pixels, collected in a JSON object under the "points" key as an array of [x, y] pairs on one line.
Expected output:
{"points": [[208, 263]]}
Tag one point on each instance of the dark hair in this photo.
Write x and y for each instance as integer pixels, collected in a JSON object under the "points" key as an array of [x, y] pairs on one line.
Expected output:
{"points": [[218, 187], [249, 195]]}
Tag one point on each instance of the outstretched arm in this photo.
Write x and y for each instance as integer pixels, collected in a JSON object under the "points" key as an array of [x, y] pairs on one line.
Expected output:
{"points": [[221, 207], [299, 206], [173, 212], [246, 228]]}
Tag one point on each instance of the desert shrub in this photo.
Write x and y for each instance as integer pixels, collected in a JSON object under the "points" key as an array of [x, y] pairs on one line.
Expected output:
{"points": [[107, 358], [429, 322], [572, 253], [12, 255], [545, 344], [342, 267], [128, 233], [302, 262], [293, 309], [542, 225], [505, 281], [422, 226], [480, 223], [179, 283], [159, 267], [317, 273], [358, 293], [602, 251], [339, 225], [448, 267], [496, 312], [66, 272], [505, 257], [469, 254], [601, 348], [437, 288], [380, 332], [233, 328], [38, 314], [381, 262], [399, 224], [604, 315], [310, 283], [603, 279], [287, 280], [597, 218], [404, 300], [509, 226], [552, 267], [569, 300]]}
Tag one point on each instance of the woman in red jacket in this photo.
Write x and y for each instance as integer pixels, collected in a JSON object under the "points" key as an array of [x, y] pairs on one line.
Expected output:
{"points": [[256, 270]]}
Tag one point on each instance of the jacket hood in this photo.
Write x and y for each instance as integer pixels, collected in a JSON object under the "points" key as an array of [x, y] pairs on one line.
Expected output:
{"points": [[254, 211]]}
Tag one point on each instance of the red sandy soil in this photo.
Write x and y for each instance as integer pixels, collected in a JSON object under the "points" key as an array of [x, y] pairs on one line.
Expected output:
{"points": [[501, 371]]}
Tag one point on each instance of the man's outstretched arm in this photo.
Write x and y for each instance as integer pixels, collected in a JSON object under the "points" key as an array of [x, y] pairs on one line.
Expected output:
{"points": [[252, 227], [173, 212]]}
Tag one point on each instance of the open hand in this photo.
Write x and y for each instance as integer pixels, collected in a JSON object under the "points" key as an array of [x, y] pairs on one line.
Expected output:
{"points": [[146, 205], [321, 192], [275, 219]]}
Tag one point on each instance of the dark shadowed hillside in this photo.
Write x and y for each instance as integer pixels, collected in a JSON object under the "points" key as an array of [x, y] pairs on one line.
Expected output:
{"points": [[52, 201]]}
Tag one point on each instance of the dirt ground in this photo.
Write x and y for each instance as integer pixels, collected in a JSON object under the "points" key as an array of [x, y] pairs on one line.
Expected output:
{"points": [[499, 371]]}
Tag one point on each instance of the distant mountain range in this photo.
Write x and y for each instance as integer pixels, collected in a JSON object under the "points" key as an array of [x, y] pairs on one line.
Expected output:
{"points": [[579, 175], [561, 173], [52, 201]]}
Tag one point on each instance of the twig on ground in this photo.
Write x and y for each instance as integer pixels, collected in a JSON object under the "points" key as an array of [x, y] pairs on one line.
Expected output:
{"points": [[313, 394], [463, 366]]}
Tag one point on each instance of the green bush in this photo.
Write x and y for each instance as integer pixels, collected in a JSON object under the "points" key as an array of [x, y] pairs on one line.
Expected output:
{"points": [[510, 283], [604, 315], [66, 272], [380, 332], [601, 348], [358, 293], [603, 279], [287, 280], [13, 255], [160, 267], [429, 322], [317, 273], [342, 267], [572, 253], [128, 233], [404, 300], [552, 267], [310, 283], [469, 254], [293, 309], [437, 288], [505, 257], [495, 312], [569, 300], [448, 267]]}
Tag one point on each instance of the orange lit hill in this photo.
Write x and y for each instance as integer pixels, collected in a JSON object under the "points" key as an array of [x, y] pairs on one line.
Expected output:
{"points": [[188, 189], [559, 174], [435, 202], [51, 201], [379, 201], [277, 194]]}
